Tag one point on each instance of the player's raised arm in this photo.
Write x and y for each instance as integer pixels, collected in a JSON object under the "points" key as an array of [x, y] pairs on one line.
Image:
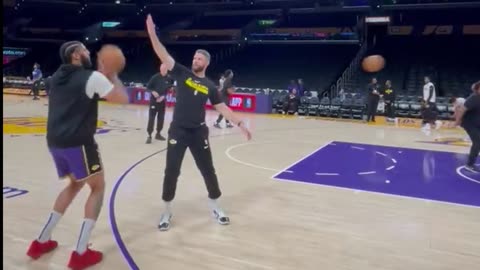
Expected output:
{"points": [[158, 47]]}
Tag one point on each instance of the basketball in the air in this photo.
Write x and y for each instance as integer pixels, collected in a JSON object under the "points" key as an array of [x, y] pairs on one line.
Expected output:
{"points": [[373, 63], [111, 56]]}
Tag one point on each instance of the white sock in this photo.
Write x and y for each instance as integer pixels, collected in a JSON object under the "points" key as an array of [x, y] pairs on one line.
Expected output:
{"points": [[215, 207], [85, 231], [52, 221], [168, 207]]}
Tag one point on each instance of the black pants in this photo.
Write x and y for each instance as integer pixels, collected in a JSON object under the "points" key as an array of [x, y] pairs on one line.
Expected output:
{"points": [[36, 88], [371, 110], [290, 105], [390, 109], [474, 134], [196, 139], [156, 110], [429, 114], [220, 117]]}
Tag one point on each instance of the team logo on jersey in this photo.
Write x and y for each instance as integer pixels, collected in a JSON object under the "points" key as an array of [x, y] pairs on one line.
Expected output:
{"points": [[196, 86], [172, 141]]}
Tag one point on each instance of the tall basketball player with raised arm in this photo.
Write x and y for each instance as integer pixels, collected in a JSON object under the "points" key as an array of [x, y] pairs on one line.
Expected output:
{"points": [[72, 122], [188, 128]]}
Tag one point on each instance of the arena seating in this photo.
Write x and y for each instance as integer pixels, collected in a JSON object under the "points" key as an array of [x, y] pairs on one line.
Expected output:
{"points": [[410, 59]]}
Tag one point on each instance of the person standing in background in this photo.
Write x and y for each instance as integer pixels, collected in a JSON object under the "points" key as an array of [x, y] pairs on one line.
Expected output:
{"points": [[36, 77], [430, 109], [291, 102], [389, 97], [226, 89], [429, 93], [158, 86], [373, 99]]}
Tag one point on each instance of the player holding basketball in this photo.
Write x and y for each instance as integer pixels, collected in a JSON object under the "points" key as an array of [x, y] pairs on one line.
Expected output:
{"points": [[72, 122], [226, 89], [188, 128], [467, 115]]}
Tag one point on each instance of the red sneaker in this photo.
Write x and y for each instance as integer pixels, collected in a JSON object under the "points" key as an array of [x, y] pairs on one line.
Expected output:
{"points": [[87, 259], [37, 249]]}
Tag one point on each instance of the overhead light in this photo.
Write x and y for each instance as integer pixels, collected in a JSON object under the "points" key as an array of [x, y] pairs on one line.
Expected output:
{"points": [[117, 2]]}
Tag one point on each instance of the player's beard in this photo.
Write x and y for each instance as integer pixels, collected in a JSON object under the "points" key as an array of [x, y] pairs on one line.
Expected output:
{"points": [[86, 61], [197, 69]]}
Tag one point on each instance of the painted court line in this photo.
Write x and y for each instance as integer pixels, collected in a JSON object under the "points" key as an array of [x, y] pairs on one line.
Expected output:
{"points": [[332, 174], [302, 159], [391, 167], [113, 221], [365, 173], [459, 172], [359, 148], [227, 152], [113, 195], [357, 191], [382, 154]]}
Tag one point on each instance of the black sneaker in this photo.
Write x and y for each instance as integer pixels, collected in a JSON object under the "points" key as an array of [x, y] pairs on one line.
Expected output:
{"points": [[164, 223], [217, 125], [149, 140], [159, 137], [473, 169], [221, 218], [229, 125]]}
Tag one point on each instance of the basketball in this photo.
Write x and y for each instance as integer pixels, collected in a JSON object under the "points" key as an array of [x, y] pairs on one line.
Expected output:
{"points": [[112, 57], [373, 63]]}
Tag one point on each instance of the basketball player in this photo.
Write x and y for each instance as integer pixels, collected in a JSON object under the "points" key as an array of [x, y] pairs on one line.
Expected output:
{"points": [[72, 122], [226, 89], [36, 78], [188, 128], [467, 116], [158, 85], [389, 97], [430, 109]]}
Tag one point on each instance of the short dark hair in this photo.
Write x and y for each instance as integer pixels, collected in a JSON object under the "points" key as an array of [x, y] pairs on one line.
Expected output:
{"points": [[452, 100], [67, 49]]}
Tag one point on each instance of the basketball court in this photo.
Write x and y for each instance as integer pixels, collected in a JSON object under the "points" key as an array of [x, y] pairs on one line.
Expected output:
{"points": [[305, 192]]}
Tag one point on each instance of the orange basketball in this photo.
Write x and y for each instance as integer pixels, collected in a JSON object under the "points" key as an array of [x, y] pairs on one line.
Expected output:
{"points": [[373, 63], [112, 57]]}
